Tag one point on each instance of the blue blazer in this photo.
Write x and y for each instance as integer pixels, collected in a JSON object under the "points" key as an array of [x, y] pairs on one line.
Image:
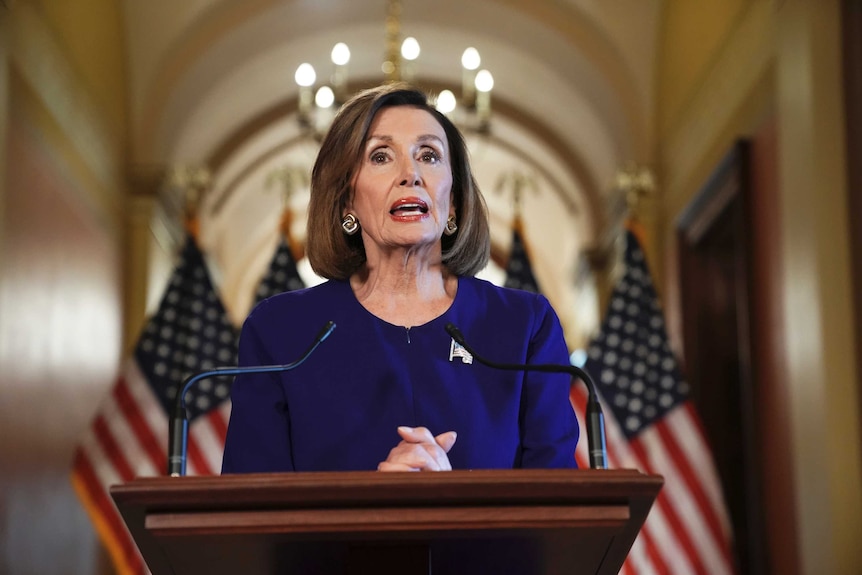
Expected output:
{"points": [[340, 409]]}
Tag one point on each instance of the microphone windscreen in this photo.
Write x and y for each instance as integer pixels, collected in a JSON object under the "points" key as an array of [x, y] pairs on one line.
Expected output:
{"points": [[455, 333]]}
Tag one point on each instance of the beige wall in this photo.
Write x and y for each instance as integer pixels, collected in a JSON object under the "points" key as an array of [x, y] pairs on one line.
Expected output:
{"points": [[818, 295], [91, 34], [782, 60], [692, 34]]}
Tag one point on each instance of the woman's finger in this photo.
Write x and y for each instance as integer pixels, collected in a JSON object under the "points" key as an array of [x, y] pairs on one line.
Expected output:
{"points": [[416, 434], [421, 456], [420, 450], [446, 440], [389, 466]]}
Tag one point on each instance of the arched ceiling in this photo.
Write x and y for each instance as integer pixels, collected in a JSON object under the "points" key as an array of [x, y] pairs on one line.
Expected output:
{"points": [[212, 83]]}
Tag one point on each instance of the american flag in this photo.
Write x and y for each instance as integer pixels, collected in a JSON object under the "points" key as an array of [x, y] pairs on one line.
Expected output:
{"points": [[190, 332], [457, 350], [282, 274], [519, 272], [652, 426]]}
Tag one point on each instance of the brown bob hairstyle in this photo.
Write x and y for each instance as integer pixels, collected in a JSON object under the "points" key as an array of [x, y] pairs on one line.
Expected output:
{"points": [[335, 255]]}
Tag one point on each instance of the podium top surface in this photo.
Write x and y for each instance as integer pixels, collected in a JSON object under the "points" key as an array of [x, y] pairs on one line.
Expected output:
{"points": [[372, 487], [533, 522]]}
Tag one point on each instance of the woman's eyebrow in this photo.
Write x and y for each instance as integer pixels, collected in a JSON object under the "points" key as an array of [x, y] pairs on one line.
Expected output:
{"points": [[423, 138]]}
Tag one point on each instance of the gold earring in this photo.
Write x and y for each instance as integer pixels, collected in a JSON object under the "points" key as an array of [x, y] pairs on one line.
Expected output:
{"points": [[451, 226], [350, 224]]}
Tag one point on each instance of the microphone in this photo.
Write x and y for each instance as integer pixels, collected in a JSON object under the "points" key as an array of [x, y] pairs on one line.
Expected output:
{"points": [[595, 419], [179, 425]]}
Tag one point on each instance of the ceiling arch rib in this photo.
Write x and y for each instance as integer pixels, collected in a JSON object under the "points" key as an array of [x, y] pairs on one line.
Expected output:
{"points": [[617, 39]]}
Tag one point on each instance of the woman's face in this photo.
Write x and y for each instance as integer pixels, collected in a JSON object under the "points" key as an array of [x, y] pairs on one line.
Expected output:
{"points": [[402, 191]]}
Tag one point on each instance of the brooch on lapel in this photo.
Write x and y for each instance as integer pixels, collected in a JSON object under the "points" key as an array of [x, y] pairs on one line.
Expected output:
{"points": [[457, 350]]}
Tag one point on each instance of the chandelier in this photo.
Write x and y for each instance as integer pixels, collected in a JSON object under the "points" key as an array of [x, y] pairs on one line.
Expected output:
{"points": [[319, 102]]}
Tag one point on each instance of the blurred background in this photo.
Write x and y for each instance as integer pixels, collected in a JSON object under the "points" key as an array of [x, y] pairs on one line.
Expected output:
{"points": [[730, 130]]}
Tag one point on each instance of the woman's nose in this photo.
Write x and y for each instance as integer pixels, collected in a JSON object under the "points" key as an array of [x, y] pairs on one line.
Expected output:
{"points": [[410, 175]]}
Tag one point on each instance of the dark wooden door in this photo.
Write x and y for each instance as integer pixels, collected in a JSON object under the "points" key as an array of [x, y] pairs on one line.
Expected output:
{"points": [[715, 255]]}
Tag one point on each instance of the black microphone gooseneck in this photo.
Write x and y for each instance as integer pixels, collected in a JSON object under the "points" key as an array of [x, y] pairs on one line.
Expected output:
{"points": [[595, 419], [179, 426]]}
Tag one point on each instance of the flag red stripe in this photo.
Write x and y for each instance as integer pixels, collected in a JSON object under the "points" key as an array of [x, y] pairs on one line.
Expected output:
{"points": [[578, 400], [697, 429], [209, 444], [139, 425], [196, 457], [670, 513], [653, 552], [640, 454], [219, 425], [695, 487], [108, 513], [112, 450], [647, 541]]}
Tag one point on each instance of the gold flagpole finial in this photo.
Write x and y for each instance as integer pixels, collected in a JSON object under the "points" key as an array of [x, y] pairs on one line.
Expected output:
{"points": [[291, 179], [635, 183], [516, 182], [192, 183]]}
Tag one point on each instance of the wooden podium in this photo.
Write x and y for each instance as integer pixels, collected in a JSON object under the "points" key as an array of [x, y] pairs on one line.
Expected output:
{"points": [[510, 521]]}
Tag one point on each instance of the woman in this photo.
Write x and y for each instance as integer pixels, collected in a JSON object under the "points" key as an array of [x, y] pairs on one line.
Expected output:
{"points": [[398, 226]]}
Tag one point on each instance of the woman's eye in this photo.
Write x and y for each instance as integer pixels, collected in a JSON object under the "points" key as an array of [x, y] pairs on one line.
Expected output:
{"points": [[378, 157], [429, 155]]}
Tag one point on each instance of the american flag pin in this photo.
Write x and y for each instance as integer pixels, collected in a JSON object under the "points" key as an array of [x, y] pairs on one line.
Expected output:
{"points": [[457, 350]]}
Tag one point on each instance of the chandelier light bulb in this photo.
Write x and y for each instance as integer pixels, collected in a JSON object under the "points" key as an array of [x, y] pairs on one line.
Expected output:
{"points": [[319, 98], [305, 75], [410, 48], [325, 97], [484, 81], [445, 102], [470, 59], [340, 54]]}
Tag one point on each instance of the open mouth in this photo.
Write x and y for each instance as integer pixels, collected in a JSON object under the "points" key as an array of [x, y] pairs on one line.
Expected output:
{"points": [[409, 208]]}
